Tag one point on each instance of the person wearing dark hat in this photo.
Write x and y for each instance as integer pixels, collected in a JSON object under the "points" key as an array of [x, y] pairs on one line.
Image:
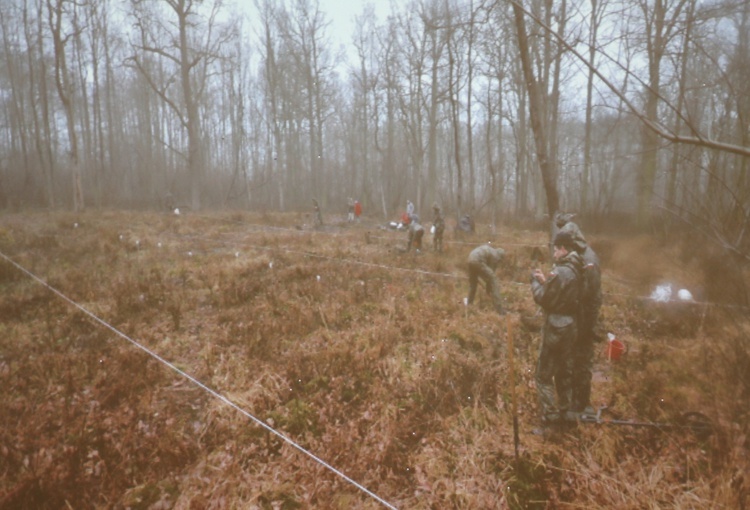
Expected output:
{"points": [[483, 260], [557, 293], [438, 224]]}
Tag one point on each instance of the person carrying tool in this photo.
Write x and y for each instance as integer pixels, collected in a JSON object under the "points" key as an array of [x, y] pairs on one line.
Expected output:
{"points": [[483, 260], [557, 293], [438, 223], [588, 315], [415, 233]]}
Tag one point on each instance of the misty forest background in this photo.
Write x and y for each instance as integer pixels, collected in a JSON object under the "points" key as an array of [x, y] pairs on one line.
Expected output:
{"points": [[630, 109]]}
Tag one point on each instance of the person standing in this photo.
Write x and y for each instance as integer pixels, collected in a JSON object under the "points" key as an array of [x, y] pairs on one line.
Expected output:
{"points": [[588, 317], [438, 223], [409, 208], [357, 209], [318, 219], [350, 210], [483, 260], [558, 294]]}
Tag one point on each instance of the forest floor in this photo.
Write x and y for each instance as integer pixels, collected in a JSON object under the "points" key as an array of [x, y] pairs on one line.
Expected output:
{"points": [[145, 356]]}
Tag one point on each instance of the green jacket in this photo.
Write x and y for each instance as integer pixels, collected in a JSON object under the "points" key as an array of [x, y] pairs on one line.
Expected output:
{"points": [[559, 295], [486, 254], [591, 289]]}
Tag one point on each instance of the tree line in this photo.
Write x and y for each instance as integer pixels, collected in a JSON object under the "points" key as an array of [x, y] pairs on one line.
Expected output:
{"points": [[499, 108]]}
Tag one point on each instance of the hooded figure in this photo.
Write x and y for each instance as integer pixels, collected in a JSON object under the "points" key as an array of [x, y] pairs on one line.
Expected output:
{"points": [[588, 315], [564, 222]]}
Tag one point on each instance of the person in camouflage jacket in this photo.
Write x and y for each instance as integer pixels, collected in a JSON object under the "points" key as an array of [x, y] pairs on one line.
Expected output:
{"points": [[438, 223], [588, 316], [557, 293], [483, 260]]}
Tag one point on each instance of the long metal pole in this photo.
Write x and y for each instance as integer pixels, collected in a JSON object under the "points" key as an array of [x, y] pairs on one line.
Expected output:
{"points": [[512, 376]]}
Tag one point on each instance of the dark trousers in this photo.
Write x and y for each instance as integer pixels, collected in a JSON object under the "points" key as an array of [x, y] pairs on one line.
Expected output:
{"points": [[554, 371]]}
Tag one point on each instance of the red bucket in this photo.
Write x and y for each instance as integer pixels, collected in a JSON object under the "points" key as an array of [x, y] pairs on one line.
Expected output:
{"points": [[615, 349]]}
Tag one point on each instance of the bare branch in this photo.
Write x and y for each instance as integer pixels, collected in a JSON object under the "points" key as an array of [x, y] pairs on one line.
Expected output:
{"points": [[656, 127]]}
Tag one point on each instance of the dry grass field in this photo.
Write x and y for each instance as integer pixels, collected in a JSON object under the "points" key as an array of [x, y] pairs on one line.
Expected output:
{"points": [[360, 354]]}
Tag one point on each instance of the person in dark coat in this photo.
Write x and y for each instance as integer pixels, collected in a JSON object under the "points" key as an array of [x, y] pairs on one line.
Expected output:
{"points": [[588, 316], [558, 294]]}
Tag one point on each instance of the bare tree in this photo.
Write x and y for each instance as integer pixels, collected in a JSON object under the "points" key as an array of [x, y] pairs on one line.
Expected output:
{"points": [[57, 10], [389, 88], [304, 31], [537, 113], [366, 80], [188, 55], [595, 20], [275, 156]]}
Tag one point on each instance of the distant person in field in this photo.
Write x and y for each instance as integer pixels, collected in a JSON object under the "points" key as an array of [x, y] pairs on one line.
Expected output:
{"points": [[357, 209], [318, 218], [409, 208], [415, 234], [438, 223], [590, 302], [483, 261], [466, 224], [557, 293], [405, 219], [350, 210]]}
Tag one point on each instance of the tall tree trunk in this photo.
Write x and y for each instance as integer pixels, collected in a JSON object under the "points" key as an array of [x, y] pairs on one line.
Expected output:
{"points": [[681, 93], [593, 41], [536, 112], [65, 92], [453, 99]]}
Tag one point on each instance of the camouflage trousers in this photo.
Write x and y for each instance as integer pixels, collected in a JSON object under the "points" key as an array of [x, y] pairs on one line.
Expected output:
{"points": [[554, 370], [479, 270], [583, 364]]}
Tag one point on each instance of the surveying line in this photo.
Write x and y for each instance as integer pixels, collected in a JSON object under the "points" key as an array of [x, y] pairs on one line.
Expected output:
{"points": [[686, 301], [447, 275], [195, 381], [379, 227], [335, 259], [456, 276], [356, 262]]}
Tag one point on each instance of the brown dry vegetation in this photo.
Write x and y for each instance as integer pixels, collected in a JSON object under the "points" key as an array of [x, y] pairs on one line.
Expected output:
{"points": [[375, 367]]}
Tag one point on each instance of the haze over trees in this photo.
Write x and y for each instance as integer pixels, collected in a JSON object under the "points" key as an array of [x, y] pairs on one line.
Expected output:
{"points": [[630, 108]]}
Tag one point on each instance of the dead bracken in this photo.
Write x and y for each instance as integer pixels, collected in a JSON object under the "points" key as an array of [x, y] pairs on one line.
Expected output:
{"points": [[363, 355]]}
